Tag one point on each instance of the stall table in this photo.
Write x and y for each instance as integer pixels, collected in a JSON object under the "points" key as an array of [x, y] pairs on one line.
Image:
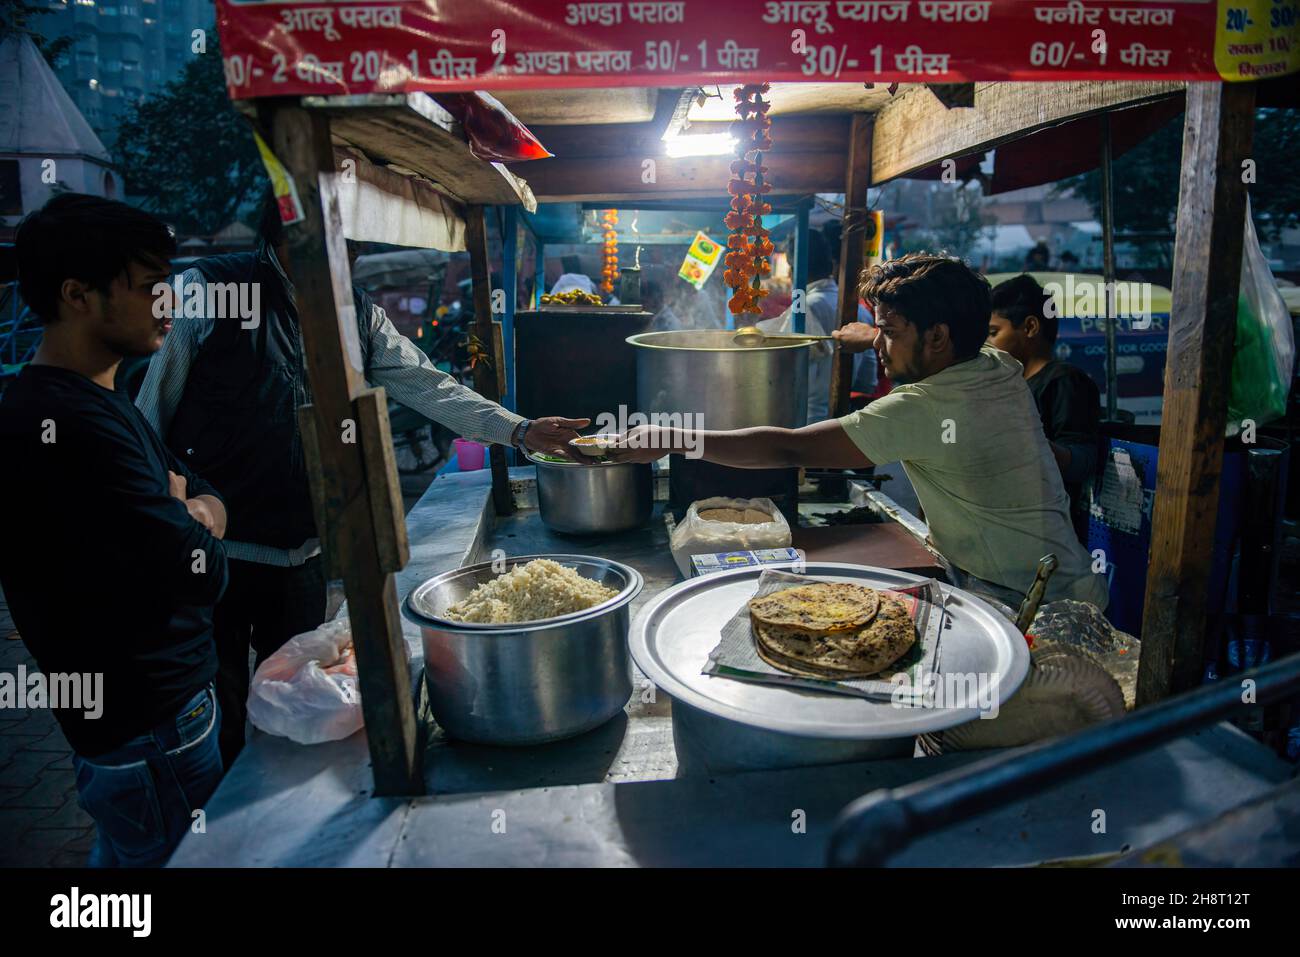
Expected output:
{"points": [[615, 795]]}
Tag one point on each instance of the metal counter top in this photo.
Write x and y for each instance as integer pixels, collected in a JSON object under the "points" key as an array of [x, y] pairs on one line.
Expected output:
{"points": [[615, 795]]}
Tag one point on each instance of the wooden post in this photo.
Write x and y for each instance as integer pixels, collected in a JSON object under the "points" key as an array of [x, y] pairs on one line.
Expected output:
{"points": [[318, 266], [858, 178], [1207, 271], [510, 280], [485, 379], [799, 274]]}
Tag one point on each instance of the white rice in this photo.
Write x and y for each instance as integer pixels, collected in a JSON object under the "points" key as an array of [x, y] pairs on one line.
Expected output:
{"points": [[540, 589]]}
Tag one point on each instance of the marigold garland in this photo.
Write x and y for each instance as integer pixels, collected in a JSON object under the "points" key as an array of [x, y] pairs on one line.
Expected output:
{"points": [[609, 220], [748, 244]]}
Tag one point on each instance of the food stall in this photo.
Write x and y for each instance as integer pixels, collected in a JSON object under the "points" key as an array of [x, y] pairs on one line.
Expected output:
{"points": [[539, 743]]}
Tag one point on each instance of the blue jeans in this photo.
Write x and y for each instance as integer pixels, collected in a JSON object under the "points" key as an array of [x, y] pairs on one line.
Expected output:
{"points": [[142, 794]]}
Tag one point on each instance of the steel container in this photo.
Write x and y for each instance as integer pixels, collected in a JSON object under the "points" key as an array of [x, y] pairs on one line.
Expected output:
{"points": [[728, 386], [594, 499], [530, 682]]}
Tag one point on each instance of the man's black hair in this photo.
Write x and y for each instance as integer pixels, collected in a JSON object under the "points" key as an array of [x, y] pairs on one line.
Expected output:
{"points": [[929, 290], [1018, 299], [88, 238], [269, 226]]}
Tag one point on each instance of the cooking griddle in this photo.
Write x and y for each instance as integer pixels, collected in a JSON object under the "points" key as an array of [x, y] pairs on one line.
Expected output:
{"points": [[882, 545]]}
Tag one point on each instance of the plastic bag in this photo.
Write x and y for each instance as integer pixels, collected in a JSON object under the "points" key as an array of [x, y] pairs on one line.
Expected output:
{"points": [[1265, 345], [493, 132], [308, 690], [733, 526]]}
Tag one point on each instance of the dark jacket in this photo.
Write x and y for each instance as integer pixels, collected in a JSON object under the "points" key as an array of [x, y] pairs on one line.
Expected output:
{"points": [[237, 423]]}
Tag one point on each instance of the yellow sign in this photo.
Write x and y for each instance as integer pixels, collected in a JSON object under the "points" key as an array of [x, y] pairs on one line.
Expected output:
{"points": [[874, 239], [286, 194], [1257, 39], [700, 261]]}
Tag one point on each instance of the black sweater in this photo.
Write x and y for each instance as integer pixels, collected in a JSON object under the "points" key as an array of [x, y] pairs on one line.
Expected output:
{"points": [[104, 571]]}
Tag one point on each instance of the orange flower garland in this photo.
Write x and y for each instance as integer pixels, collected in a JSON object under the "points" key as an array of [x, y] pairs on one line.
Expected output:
{"points": [[749, 246], [610, 273]]}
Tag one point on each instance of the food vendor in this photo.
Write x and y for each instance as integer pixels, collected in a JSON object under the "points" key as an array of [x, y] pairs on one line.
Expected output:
{"points": [[960, 420], [222, 396], [1023, 324]]}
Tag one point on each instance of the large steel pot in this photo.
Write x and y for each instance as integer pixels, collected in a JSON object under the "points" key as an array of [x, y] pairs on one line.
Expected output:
{"points": [[594, 499], [530, 682], [731, 387]]}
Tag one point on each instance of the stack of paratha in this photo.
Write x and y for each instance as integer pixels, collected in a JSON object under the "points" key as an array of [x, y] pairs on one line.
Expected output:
{"points": [[831, 630]]}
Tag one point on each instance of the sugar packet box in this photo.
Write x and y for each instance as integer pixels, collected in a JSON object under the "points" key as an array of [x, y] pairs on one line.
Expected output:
{"points": [[708, 563]]}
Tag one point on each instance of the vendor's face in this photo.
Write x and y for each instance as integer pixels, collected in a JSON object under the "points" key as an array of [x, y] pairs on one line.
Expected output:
{"points": [[899, 345], [1003, 335]]}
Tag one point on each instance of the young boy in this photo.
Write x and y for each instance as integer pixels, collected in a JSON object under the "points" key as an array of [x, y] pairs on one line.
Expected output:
{"points": [[1023, 324]]}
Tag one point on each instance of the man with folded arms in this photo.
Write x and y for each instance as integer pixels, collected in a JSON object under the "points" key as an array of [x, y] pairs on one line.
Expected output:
{"points": [[960, 420], [111, 558]]}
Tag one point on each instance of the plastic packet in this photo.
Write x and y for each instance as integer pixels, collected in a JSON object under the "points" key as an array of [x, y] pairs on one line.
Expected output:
{"points": [[308, 690], [727, 525], [1264, 349]]}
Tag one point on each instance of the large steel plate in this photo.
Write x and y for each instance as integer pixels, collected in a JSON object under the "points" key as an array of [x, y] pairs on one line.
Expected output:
{"points": [[672, 635]]}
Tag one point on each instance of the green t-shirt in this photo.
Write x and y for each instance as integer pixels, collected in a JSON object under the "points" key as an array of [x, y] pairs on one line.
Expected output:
{"points": [[972, 444]]}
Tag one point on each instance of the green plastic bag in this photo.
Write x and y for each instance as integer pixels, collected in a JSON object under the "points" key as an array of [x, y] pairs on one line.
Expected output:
{"points": [[1264, 352]]}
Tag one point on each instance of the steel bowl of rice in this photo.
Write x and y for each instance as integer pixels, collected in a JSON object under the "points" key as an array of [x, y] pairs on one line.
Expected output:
{"points": [[530, 650]]}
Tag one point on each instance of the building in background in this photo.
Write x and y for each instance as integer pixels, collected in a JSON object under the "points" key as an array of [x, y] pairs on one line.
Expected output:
{"points": [[122, 50], [46, 145]]}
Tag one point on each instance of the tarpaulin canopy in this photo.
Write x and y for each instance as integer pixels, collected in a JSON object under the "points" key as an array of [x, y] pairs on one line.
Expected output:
{"points": [[279, 48]]}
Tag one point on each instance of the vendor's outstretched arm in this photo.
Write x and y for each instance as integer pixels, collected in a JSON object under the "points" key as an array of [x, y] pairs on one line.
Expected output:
{"points": [[822, 445]]}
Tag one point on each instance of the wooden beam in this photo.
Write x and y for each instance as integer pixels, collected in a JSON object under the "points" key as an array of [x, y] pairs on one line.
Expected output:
{"points": [[318, 266], [827, 133], [604, 179], [915, 130], [1217, 136], [799, 274], [852, 248], [485, 377], [608, 162]]}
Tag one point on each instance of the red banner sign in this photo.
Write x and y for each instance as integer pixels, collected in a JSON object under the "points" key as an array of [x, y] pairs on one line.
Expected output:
{"points": [[295, 48]]}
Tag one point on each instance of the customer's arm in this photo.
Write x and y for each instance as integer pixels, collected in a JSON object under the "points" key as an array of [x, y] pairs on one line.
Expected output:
{"points": [[143, 522], [411, 379], [199, 496], [164, 382]]}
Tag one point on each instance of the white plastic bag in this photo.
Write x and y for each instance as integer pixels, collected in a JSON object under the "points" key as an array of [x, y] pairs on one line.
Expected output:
{"points": [[697, 534], [308, 690]]}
